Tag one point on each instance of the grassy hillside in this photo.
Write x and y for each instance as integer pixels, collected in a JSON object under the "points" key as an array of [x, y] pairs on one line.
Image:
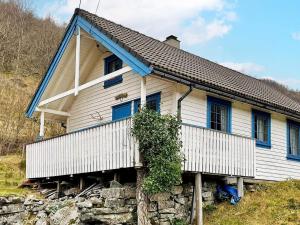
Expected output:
{"points": [[12, 173], [274, 203]]}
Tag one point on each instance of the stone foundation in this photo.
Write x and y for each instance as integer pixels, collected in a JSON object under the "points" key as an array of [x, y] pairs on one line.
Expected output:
{"points": [[115, 205]]}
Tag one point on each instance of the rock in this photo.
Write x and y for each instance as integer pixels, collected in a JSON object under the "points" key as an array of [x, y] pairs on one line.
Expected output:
{"points": [[188, 189], [85, 204], [63, 216], [114, 203], [96, 201], [131, 202], [152, 207], [41, 218], [124, 218], [166, 204], [166, 216], [130, 192], [177, 190], [3, 201], [105, 211], [164, 223], [160, 197], [168, 211], [208, 196], [115, 184], [16, 199], [113, 192], [180, 200]]}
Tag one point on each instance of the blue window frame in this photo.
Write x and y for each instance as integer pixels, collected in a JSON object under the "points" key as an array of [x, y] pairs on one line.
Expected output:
{"points": [[121, 111], [111, 64], [152, 102], [261, 128], [218, 114], [293, 140]]}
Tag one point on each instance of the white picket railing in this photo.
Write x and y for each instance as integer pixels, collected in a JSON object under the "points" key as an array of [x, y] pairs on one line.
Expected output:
{"points": [[215, 152], [106, 147], [111, 146]]}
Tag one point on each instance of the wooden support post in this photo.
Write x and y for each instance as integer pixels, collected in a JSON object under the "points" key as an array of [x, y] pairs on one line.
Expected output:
{"points": [[240, 186], [77, 62], [81, 183], [42, 124], [143, 92], [199, 210], [58, 189]]}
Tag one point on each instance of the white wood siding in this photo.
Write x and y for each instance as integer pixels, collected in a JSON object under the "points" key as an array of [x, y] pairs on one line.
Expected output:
{"points": [[99, 100], [271, 164]]}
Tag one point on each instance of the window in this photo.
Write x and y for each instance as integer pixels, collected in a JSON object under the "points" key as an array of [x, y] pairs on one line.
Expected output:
{"points": [[261, 128], [152, 102], [218, 114], [293, 140], [111, 64], [121, 111]]}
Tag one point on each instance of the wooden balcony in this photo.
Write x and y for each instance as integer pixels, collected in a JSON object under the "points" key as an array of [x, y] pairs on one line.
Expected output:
{"points": [[111, 146]]}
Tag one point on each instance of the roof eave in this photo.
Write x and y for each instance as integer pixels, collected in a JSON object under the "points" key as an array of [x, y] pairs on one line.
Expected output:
{"points": [[225, 92]]}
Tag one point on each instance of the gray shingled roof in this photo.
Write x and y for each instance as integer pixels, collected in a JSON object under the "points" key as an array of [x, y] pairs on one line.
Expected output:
{"points": [[189, 66]]}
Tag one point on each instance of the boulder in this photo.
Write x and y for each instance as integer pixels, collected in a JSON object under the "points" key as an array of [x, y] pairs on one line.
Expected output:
{"points": [[113, 192], [160, 197], [177, 190], [130, 192], [63, 216], [85, 204], [115, 184], [114, 203], [166, 204]]}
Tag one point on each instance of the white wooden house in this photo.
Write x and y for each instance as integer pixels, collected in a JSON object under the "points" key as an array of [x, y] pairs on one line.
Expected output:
{"points": [[233, 124]]}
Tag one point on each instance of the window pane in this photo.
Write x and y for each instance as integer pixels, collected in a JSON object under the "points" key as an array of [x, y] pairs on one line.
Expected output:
{"points": [[151, 105], [261, 128], [114, 65], [219, 117], [294, 140]]}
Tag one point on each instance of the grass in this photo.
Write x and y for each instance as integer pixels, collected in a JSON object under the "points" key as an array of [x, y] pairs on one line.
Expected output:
{"points": [[12, 174], [273, 203]]}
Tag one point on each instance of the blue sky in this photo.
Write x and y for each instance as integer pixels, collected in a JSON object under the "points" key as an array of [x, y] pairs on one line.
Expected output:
{"points": [[259, 38]]}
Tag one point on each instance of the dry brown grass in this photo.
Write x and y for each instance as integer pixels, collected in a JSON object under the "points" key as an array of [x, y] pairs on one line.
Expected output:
{"points": [[274, 203], [15, 129]]}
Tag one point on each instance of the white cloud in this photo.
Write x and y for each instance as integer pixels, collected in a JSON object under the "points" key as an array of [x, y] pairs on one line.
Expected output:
{"points": [[296, 36], [160, 18], [246, 67]]}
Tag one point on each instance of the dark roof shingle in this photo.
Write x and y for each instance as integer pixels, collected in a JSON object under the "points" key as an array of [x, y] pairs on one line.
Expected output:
{"points": [[189, 66]]}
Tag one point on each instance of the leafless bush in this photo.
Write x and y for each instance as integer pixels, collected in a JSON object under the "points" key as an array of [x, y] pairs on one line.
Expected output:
{"points": [[27, 43]]}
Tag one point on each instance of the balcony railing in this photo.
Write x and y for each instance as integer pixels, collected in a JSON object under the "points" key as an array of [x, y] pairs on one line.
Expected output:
{"points": [[111, 146], [215, 152]]}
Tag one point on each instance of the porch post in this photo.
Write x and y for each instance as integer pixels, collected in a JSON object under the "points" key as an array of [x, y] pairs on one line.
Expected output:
{"points": [[199, 212], [143, 92], [240, 184], [42, 124], [77, 61]]}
